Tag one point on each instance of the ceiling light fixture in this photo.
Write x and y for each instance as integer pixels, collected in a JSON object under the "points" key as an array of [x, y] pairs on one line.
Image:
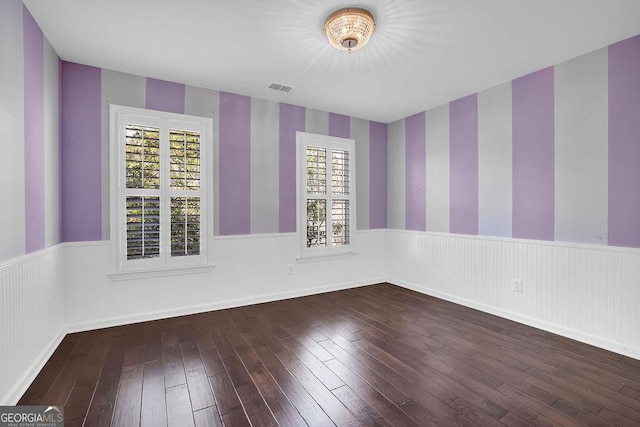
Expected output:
{"points": [[349, 29]]}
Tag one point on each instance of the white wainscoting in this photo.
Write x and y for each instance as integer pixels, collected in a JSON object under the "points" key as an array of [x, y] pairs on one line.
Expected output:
{"points": [[586, 292], [31, 318], [589, 293], [248, 269]]}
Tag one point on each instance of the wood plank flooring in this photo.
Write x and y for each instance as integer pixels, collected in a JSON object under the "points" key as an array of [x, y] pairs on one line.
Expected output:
{"points": [[377, 355]]}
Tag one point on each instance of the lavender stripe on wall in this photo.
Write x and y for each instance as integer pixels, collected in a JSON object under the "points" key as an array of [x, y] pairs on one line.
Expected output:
{"points": [[463, 140], [377, 175], [33, 40], [81, 158], [624, 143], [533, 156], [339, 125], [165, 96], [235, 164], [415, 172], [292, 119]]}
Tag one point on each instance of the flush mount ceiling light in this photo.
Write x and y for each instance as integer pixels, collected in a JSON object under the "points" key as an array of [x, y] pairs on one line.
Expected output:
{"points": [[349, 29]]}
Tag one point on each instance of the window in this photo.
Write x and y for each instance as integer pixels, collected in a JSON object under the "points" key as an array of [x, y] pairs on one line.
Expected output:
{"points": [[326, 189], [159, 200]]}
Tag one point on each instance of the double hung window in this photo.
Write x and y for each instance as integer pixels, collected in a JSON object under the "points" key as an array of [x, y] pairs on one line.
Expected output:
{"points": [[326, 188], [159, 189]]}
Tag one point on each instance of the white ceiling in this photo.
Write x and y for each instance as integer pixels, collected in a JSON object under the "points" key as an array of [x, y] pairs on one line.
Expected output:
{"points": [[424, 53]]}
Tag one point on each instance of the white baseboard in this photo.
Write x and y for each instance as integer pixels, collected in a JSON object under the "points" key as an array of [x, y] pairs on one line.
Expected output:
{"points": [[545, 326], [184, 311], [23, 383]]}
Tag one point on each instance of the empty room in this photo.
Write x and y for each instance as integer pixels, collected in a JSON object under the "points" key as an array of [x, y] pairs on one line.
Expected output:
{"points": [[257, 213]]}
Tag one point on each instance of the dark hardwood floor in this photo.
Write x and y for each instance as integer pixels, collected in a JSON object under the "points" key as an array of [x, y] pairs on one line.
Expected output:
{"points": [[376, 355]]}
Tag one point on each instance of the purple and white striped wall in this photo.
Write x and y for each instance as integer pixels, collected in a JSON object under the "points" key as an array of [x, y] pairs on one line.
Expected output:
{"points": [[254, 150], [553, 155], [29, 219]]}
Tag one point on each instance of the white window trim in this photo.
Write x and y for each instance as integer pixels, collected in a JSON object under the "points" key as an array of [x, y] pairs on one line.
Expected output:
{"points": [[121, 268], [329, 252]]}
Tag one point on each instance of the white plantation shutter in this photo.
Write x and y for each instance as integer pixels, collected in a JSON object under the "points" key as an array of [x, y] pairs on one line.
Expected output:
{"points": [[340, 172], [185, 226], [316, 170], [327, 194], [143, 227], [142, 175], [340, 231], [340, 189], [184, 155], [142, 148], [159, 205]]}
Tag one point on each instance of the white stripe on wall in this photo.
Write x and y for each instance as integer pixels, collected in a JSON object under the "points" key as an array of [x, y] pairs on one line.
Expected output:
{"points": [[265, 155], [581, 149], [316, 121], [495, 177], [360, 133], [396, 191], [51, 147], [120, 89], [12, 216], [200, 102], [438, 169], [204, 103]]}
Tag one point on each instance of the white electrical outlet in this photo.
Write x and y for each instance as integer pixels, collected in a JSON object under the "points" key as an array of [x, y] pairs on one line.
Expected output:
{"points": [[517, 285], [290, 268]]}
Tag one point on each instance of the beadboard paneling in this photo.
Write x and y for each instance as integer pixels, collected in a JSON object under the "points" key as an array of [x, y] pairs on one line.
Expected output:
{"points": [[585, 292], [248, 269], [31, 318]]}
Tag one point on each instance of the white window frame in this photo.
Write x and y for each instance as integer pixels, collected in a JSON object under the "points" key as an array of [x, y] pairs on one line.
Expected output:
{"points": [[121, 267], [303, 140]]}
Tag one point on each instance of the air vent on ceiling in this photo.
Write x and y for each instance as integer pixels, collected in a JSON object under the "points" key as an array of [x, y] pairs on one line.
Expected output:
{"points": [[280, 87]]}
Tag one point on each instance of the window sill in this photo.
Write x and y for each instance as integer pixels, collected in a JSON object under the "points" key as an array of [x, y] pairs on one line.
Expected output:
{"points": [[322, 258], [146, 274]]}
